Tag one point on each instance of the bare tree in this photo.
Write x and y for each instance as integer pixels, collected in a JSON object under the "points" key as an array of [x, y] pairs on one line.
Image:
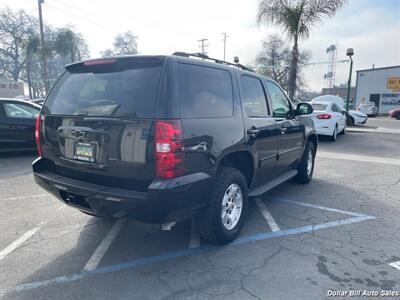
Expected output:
{"points": [[15, 30], [124, 44], [296, 18], [274, 61]]}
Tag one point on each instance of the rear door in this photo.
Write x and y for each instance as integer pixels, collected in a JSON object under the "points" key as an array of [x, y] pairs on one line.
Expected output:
{"points": [[339, 116], [17, 125], [291, 131], [261, 129], [99, 121]]}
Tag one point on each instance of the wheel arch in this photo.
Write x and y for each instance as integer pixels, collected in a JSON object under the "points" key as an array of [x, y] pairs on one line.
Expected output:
{"points": [[241, 160]]}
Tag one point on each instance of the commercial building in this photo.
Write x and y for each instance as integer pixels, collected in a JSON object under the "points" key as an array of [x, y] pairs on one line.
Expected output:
{"points": [[380, 86]]}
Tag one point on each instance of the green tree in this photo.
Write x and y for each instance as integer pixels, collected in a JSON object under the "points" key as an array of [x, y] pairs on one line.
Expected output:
{"points": [[296, 18]]}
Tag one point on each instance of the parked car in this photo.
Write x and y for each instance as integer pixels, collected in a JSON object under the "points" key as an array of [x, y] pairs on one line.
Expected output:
{"points": [[329, 119], [395, 114], [165, 138], [17, 124], [356, 118], [353, 117], [368, 108]]}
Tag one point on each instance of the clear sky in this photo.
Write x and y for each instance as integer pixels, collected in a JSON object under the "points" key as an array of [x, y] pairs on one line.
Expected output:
{"points": [[371, 27]]}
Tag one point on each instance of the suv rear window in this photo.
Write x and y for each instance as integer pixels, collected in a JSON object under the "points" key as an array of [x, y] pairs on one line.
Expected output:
{"points": [[204, 92], [124, 89]]}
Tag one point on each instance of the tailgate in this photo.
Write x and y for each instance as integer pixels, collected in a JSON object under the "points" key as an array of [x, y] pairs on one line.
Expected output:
{"points": [[97, 122]]}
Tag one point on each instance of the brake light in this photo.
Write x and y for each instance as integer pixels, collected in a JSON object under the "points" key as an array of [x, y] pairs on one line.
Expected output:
{"points": [[169, 149], [99, 62], [324, 116], [37, 135]]}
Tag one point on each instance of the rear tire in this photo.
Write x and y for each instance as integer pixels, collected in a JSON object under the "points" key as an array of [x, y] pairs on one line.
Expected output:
{"points": [[398, 116], [210, 223], [306, 167], [351, 121]]}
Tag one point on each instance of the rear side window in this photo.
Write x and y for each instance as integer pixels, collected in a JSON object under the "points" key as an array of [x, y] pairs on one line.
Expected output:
{"points": [[124, 90], [254, 101], [204, 92], [17, 110]]}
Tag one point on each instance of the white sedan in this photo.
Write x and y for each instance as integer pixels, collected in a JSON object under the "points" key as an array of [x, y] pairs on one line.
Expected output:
{"points": [[328, 119]]}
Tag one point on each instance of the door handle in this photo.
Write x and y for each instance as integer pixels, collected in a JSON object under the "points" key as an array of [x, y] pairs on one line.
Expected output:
{"points": [[253, 131]]}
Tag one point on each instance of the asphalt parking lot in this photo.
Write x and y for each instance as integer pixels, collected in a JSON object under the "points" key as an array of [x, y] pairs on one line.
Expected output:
{"points": [[340, 232]]}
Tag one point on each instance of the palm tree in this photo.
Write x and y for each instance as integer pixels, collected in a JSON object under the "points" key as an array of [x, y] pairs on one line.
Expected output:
{"points": [[295, 18]]}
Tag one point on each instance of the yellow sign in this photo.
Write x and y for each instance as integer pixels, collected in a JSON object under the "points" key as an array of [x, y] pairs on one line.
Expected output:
{"points": [[393, 83]]}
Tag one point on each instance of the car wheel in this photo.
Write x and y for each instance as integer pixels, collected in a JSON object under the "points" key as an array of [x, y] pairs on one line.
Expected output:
{"points": [[398, 116], [333, 137], [306, 167], [223, 218]]}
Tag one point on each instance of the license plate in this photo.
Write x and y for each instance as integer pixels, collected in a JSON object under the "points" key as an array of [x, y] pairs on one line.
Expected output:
{"points": [[85, 151]]}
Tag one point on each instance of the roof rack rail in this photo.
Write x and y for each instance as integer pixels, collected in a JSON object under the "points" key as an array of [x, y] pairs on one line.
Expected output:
{"points": [[218, 61]]}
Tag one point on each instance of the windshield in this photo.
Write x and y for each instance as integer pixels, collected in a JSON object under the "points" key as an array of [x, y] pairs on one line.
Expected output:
{"points": [[128, 92]]}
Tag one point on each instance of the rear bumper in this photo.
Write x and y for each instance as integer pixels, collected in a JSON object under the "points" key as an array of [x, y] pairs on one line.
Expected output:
{"points": [[166, 200]]}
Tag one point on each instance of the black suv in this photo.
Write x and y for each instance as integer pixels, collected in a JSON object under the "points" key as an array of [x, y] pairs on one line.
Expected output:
{"points": [[166, 138]]}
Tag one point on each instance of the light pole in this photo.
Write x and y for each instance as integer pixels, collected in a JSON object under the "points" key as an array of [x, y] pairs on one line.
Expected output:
{"points": [[349, 53]]}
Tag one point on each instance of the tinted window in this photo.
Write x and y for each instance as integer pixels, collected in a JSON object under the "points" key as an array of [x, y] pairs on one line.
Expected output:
{"points": [[280, 104], [18, 110], [204, 92], [126, 91], [253, 99], [319, 106]]}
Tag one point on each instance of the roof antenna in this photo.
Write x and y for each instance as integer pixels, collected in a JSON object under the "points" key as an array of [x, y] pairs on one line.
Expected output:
{"points": [[236, 59]]}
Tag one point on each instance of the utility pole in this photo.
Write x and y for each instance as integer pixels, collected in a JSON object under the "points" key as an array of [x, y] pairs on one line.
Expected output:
{"points": [[46, 83], [224, 40], [203, 45]]}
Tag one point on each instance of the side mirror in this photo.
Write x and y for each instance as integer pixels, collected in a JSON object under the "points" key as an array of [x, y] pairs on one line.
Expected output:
{"points": [[303, 109]]}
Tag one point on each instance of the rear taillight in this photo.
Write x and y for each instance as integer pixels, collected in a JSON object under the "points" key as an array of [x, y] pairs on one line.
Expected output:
{"points": [[324, 116], [169, 149], [37, 135]]}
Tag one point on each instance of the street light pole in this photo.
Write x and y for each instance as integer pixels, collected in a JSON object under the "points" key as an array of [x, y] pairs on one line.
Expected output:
{"points": [[46, 83], [349, 53]]}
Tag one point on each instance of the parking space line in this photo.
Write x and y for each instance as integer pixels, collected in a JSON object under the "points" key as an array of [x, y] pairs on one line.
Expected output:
{"points": [[345, 212], [360, 158], [19, 241], [395, 264], [24, 197], [183, 253], [103, 246], [267, 215], [194, 235]]}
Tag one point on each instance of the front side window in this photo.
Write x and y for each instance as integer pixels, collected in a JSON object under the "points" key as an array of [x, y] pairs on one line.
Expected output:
{"points": [[204, 92], [254, 100], [280, 104], [17, 110]]}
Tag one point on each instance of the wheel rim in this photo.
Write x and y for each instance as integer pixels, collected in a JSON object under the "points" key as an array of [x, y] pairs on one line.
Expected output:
{"points": [[232, 204], [309, 163]]}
